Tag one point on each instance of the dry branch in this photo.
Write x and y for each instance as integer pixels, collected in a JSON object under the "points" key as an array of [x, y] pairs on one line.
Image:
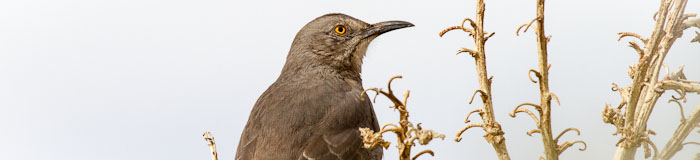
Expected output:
{"points": [[405, 132], [212, 145], [494, 133], [552, 150], [641, 96], [676, 143]]}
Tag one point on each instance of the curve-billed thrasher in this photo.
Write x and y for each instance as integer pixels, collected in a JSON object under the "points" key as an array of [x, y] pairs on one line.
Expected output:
{"points": [[313, 110]]}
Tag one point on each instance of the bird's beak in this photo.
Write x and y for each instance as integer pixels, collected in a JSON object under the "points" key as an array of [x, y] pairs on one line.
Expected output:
{"points": [[383, 27]]}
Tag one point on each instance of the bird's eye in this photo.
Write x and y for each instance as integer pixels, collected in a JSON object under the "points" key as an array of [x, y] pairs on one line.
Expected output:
{"points": [[340, 29]]}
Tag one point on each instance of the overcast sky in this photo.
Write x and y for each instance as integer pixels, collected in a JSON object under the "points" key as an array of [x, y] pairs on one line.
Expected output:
{"points": [[142, 79]]}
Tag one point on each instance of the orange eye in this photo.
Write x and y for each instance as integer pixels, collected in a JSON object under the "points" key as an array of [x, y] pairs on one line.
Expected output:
{"points": [[340, 29]]}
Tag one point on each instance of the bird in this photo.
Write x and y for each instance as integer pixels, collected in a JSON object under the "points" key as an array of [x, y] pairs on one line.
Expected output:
{"points": [[316, 106]]}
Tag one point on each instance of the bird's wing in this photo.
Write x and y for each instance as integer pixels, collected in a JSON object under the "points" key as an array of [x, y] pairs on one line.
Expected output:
{"points": [[342, 139], [247, 144], [309, 119], [282, 120], [344, 145]]}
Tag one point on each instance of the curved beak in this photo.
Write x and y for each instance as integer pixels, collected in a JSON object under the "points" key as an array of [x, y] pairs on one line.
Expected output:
{"points": [[383, 27]]}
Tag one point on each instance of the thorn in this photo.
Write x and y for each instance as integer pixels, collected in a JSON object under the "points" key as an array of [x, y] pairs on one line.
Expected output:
{"points": [[626, 34], [459, 133], [554, 96], [530, 132], [526, 25], [483, 94], [537, 74]]}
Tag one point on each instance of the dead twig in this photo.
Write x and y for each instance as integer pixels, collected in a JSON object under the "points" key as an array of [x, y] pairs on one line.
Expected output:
{"points": [[405, 132], [641, 96], [551, 149], [494, 133], [212, 145]]}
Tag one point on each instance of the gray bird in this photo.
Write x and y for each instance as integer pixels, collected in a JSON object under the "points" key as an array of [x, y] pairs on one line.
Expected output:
{"points": [[314, 110]]}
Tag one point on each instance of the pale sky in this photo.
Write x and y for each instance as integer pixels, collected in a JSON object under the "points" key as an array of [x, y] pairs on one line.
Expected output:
{"points": [[142, 79]]}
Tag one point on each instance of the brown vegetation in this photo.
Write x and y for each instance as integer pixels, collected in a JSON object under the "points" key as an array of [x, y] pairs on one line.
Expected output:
{"points": [[403, 131]]}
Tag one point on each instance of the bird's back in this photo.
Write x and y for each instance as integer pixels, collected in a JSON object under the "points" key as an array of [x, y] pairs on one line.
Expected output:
{"points": [[309, 117]]}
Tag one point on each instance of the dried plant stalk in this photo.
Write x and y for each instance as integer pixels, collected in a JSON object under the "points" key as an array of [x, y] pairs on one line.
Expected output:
{"points": [[494, 133], [212, 145], [676, 143], [405, 132], [552, 150], [641, 97]]}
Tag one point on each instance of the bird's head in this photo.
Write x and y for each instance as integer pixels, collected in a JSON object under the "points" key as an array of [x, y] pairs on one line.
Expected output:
{"points": [[335, 41]]}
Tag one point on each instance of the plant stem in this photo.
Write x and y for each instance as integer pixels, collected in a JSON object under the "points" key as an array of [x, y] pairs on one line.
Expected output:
{"points": [[676, 143], [497, 140], [550, 146]]}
